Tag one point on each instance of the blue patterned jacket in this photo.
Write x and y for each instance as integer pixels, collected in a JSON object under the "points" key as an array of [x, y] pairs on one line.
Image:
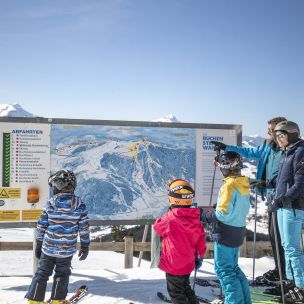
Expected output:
{"points": [[64, 217]]}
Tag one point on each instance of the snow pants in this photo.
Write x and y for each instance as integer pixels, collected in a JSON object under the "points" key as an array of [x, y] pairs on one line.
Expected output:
{"points": [[179, 289], [290, 226], [233, 281], [45, 269]]}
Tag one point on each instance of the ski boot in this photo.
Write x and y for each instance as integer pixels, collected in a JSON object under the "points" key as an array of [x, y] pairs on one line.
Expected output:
{"points": [[36, 302], [276, 291], [261, 281], [272, 276], [59, 302], [295, 295]]}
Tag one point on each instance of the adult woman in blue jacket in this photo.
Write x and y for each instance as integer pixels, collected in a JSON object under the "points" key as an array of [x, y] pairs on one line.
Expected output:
{"points": [[289, 201]]}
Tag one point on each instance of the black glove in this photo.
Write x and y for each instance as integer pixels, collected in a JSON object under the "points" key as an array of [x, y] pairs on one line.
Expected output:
{"points": [[274, 205], [271, 184], [83, 252], [38, 249], [258, 183], [198, 263], [207, 215], [218, 146]]}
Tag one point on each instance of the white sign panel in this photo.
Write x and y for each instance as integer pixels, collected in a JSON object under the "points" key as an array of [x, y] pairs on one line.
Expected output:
{"points": [[25, 168], [208, 178]]}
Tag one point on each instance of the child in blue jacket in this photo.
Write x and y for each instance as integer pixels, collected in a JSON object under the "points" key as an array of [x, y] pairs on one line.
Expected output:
{"points": [[229, 221], [63, 219]]}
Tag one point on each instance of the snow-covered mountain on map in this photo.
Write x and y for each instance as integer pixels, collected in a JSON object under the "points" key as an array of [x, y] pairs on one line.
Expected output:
{"points": [[123, 178], [13, 110]]}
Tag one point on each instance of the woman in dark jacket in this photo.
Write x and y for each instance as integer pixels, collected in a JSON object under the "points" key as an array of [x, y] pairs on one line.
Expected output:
{"points": [[289, 201]]}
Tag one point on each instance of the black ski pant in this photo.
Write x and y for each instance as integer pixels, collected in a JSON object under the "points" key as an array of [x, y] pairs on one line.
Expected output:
{"points": [[179, 289], [273, 244], [45, 269]]}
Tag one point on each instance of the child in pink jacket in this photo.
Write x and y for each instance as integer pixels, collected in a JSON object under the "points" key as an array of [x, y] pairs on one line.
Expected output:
{"points": [[184, 242]]}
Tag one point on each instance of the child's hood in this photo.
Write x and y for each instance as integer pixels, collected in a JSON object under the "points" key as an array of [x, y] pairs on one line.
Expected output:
{"points": [[64, 201], [241, 183], [186, 213]]}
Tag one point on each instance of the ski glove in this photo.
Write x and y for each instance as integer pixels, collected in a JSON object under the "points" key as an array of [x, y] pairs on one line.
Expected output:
{"points": [[280, 202], [198, 263], [258, 183], [38, 249], [83, 252], [218, 146]]}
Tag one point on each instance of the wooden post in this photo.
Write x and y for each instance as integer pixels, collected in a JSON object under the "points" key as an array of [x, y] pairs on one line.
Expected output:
{"points": [[129, 248]]}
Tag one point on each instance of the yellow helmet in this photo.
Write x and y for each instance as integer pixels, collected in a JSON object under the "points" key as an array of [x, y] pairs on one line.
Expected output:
{"points": [[180, 193]]}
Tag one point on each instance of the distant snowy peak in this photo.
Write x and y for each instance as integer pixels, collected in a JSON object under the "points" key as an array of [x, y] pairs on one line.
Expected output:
{"points": [[252, 141], [167, 118], [13, 110]]}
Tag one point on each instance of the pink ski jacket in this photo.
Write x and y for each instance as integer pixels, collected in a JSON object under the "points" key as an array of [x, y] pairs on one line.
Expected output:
{"points": [[183, 240]]}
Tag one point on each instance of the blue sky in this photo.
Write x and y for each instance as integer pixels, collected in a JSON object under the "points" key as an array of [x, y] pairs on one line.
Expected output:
{"points": [[205, 61]]}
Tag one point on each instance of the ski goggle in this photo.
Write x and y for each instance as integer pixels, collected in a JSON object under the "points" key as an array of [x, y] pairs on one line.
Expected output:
{"points": [[185, 192], [181, 195], [280, 135]]}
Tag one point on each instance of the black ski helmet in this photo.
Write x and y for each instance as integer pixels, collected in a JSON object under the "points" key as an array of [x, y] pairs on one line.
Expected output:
{"points": [[229, 162], [291, 128], [62, 179]]}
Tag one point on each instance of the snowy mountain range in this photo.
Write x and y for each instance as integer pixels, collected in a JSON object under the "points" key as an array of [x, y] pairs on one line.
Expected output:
{"points": [[118, 180], [13, 110]]}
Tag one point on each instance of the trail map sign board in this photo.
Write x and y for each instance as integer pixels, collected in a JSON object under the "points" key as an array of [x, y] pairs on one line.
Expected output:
{"points": [[122, 168]]}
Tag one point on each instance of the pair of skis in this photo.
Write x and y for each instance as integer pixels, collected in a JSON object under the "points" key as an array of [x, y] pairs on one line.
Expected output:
{"points": [[166, 299], [77, 296], [261, 297], [268, 298], [202, 300]]}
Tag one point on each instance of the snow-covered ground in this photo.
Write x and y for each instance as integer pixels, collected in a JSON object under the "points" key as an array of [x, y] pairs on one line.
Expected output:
{"points": [[103, 273]]}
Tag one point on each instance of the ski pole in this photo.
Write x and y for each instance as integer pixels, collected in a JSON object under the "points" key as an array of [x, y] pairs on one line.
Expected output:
{"points": [[302, 238], [211, 193], [195, 271], [213, 180], [254, 234], [274, 224]]}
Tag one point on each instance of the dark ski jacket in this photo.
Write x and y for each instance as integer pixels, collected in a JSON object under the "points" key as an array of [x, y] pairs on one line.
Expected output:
{"points": [[290, 181]]}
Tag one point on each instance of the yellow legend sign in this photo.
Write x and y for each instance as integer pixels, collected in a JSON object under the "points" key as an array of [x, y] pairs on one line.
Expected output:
{"points": [[10, 216], [30, 215], [12, 193]]}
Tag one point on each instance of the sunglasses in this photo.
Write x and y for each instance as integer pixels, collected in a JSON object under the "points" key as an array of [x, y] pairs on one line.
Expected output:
{"points": [[270, 131], [280, 136]]}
